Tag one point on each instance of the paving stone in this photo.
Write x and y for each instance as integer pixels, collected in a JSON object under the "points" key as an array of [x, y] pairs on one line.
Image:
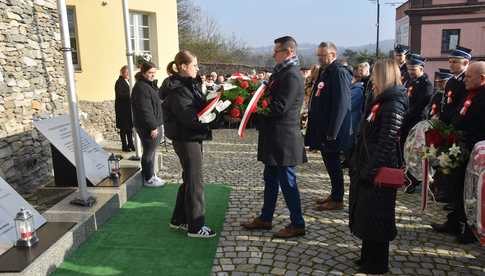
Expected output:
{"points": [[328, 248]]}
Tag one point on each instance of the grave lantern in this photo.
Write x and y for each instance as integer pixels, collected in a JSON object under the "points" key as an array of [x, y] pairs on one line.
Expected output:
{"points": [[24, 224], [114, 166]]}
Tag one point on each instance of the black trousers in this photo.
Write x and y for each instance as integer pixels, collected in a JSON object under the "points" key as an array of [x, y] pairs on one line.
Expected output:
{"points": [[457, 217], [126, 136], [149, 146], [375, 256], [189, 207]]}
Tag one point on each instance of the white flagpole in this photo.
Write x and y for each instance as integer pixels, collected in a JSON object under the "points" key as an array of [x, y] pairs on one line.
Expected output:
{"points": [[129, 56], [85, 198]]}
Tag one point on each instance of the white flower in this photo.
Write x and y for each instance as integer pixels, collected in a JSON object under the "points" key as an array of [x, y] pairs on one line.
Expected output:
{"points": [[430, 152], [444, 160], [454, 150]]}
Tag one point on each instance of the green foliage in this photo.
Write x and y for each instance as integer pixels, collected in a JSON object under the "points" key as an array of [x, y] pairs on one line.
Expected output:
{"points": [[355, 57]]}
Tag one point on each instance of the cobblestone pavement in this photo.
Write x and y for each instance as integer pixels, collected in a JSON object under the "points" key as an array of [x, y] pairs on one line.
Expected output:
{"points": [[328, 248]]}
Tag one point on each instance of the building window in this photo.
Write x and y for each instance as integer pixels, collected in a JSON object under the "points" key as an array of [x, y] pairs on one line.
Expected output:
{"points": [[450, 39], [71, 21], [140, 33]]}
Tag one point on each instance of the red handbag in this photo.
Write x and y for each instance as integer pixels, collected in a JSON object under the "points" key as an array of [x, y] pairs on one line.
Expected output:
{"points": [[389, 178]]}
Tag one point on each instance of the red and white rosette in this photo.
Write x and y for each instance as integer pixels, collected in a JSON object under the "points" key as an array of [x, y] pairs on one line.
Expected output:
{"points": [[239, 76], [209, 108], [252, 106]]}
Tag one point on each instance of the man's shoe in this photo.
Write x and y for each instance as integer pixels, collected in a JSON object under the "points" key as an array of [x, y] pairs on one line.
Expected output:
{"points": [[203, 233], [330, 205], [449, 207], [257, 224], [366, 270], [445, 228], [323, 201], [289, 231]]}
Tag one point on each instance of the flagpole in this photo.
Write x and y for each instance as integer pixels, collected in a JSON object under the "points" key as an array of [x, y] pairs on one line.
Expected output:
{"points": [[85, 198], [129, 56]]}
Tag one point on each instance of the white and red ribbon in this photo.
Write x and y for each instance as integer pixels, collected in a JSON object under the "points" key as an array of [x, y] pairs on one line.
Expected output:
{"points": [[450, 97], [425, 186], [252, 106], [373, 113], [320, 87], [210, 107]]}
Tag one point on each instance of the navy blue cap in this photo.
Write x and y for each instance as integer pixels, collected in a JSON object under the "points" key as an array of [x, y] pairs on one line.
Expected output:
{"points": [[461, 52], [401, 49], [443, 74], [415, 60]]}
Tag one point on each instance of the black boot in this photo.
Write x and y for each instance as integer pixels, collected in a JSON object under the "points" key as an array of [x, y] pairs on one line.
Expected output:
{"points": [[129, 137], [445, 228], [466, 235]]}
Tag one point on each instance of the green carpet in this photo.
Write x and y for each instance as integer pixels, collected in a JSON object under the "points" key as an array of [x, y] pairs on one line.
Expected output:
{"points": [[138, 241]]}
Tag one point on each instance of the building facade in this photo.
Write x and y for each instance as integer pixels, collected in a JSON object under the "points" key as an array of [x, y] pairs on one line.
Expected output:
{"points": [[433, 27], [32, 83]]}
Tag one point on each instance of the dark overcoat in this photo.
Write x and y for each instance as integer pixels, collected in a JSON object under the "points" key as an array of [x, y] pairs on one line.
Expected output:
{"points": [[280, 141], [372, 209], [330, 110], [122, 104]]}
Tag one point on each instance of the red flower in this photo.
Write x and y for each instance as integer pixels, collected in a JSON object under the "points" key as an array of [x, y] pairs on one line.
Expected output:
{"points": [[244, 85], [255, 80], [433, 137], [235, 113], [452, 138], [239, 100], [264, 104]]}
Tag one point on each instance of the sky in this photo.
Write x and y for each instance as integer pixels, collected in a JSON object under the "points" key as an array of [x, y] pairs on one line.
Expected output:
{"points": [[259, 22]]}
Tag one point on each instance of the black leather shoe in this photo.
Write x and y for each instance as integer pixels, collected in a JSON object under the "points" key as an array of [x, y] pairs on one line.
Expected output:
{"points": [[445, 228], [449, 207], [366, 270]]}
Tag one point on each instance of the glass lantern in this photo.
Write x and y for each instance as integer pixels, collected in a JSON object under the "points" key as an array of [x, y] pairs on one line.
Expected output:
{"points": [[24, 224], [114, 166]]}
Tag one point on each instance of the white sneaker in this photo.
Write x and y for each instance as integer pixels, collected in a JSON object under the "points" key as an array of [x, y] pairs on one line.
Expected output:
{"points": [[204, 233], [154, 182], [160, 180]]}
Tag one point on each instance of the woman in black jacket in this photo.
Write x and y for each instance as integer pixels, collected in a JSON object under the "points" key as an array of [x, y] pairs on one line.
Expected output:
{"points": [[123, 110], [372, 209], [147, 117], [182, 100]]}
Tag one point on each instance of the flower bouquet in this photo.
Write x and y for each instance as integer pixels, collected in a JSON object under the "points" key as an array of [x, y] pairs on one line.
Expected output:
{"points": [[444, 147], [240, 95]]}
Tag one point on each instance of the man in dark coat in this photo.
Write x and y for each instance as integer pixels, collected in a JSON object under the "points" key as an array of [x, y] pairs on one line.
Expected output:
{"points": [[419, 90], [434, 107], [400, 53], [455, 90], [123, 110], [280, 143], [455, 93], [329, 121], [470, 120]]}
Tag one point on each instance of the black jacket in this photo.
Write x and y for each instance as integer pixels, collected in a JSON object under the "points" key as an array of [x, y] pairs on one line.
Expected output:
{"points": [[472, 124], [146, 105], [420, 91], [122, 104], [182, 99], [372, 214], [280, 141], [456, 87], [434, 106], [330, 110]]}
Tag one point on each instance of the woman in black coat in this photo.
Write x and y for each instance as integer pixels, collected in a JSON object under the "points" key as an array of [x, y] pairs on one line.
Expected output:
{"points": [[123, 110], [372, 209], [147, 118], [182, 100]]}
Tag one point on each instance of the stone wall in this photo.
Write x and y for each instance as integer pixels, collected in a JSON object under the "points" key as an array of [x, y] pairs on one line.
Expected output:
{"points": [[228, 68], [98, 119], [31, 85]]}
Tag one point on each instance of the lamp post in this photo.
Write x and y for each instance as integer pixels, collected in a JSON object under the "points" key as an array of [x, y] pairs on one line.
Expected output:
{"points": [[85, 198], [378, 20], [129, 57]]}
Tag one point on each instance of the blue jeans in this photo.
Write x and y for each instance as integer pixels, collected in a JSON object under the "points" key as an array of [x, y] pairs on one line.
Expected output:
{"points": [[334, 168], [284, 177]]}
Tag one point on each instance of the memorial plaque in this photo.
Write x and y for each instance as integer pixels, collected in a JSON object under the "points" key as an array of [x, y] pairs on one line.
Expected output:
{"points": [[10, 204], [58, 131]]}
